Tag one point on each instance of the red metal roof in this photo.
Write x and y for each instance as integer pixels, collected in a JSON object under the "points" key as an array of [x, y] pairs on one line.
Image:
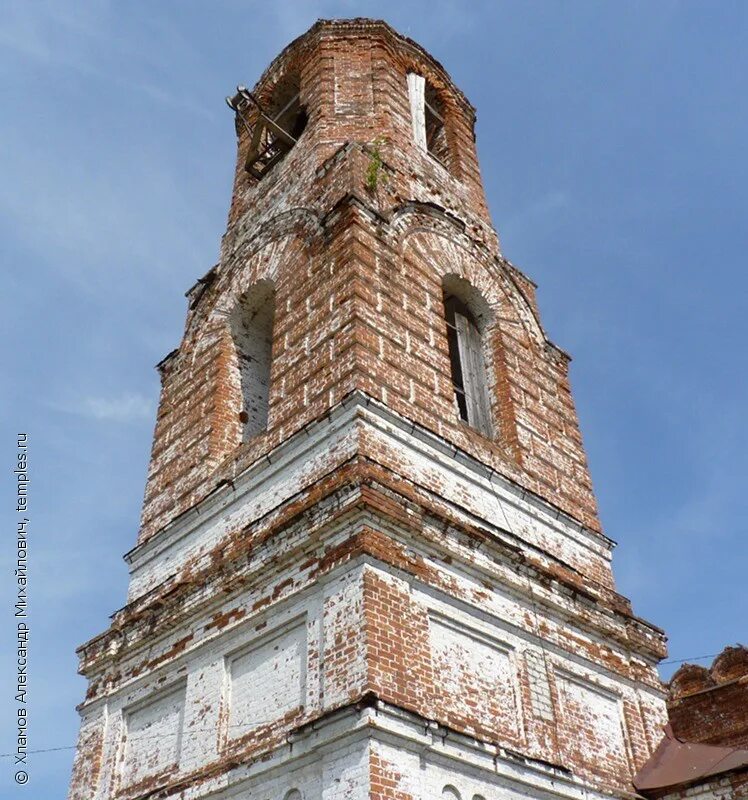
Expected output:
{"points": [[675, 762]]}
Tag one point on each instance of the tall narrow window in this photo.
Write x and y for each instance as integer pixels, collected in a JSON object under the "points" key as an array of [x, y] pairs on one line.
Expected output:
{"points": [[436, 133], [427, 118], [273, 128], [468, 366], [252, 328]]}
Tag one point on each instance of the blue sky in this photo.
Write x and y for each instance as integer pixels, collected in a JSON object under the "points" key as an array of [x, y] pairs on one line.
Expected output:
{"points": [[612, 139]]}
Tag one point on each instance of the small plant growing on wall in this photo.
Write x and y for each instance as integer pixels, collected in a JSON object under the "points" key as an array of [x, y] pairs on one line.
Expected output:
{"points": [[374, 172]]}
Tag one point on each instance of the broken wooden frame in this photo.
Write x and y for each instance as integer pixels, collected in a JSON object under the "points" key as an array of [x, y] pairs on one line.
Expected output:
{"points": [[427, 116], [468, 367], [271, 136]]}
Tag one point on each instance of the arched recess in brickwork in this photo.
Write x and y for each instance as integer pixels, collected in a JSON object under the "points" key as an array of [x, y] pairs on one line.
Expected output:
{"points": [[293, 794], [444, 241], [265, 263], [479, 308], [449, 792], [430, 237], [251, 323], [250, 238], [275, 255]]}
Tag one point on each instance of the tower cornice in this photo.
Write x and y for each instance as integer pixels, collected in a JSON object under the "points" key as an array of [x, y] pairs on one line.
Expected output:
{"points": [[360, 27]]}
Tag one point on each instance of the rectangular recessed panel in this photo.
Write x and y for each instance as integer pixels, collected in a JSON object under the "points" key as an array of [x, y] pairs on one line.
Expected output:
{"points": [[153, 736], [476, 677], [354, 90], [267, 680], [592, 722]]}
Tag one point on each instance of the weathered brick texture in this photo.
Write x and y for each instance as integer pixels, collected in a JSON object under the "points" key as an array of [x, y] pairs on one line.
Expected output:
{"points": [[369, 598], [704, 753], [710, 705], [358, 273]]}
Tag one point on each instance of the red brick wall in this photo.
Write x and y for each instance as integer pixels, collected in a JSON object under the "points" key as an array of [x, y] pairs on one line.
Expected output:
{"points": [[358, 280], [711, 705], [447, 612]]}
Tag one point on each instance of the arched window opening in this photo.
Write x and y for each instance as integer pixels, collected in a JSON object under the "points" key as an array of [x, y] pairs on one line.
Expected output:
{"points": [[468, 367], [450, 793], [293, 794], [252, 330], [427, 117], [274, 127]]}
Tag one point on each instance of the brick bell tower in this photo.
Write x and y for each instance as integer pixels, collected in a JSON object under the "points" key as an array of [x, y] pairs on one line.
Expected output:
{"points": [[370, 563]]}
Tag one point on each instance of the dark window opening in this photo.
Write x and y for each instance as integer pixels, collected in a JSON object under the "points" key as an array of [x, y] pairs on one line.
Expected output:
{"points": [[428, 119], [436, 132], [273, 128], [467, 364]]}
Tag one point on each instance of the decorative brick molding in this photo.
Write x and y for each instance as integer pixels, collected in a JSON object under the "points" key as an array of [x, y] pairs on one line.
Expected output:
{"points": [[343, 587]]}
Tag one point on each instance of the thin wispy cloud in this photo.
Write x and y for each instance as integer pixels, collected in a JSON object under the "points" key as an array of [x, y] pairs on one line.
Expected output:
{"points": [[48, 37], [125, 408], [128, 408]]}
